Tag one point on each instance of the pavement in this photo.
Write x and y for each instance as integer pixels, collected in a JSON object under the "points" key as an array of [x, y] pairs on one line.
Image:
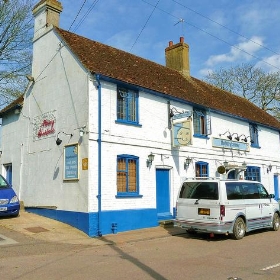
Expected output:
{"points": [[50, 230]]}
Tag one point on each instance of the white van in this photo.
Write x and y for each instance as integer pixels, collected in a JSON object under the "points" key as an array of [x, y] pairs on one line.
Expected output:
{"points": [[219, 206]]}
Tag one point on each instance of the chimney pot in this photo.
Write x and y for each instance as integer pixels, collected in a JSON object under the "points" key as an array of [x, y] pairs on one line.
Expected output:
{"points": [[181, 39], [170, 43]]}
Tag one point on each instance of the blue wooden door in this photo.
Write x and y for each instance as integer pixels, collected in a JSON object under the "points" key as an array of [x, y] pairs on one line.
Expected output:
{"points": [[276, 187], [162, 194]]}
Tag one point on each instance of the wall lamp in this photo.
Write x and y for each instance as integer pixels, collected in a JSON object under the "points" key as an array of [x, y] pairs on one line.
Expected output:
{"points": [[174, 111], [58, 141], [269, 168], [150, 159], [245, 139], [187, 162], [228, 136], [244, 165], [82, 131], [237, 138]]}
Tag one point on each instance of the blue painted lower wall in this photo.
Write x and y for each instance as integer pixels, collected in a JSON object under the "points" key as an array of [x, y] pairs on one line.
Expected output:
{"points": [[110, 221]]}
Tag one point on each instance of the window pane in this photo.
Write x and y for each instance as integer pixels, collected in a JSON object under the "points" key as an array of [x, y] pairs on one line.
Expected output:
{"points": [[121, 181], [132, 175], [131, 107], [121, 114], [254, 134], [196, 125]]}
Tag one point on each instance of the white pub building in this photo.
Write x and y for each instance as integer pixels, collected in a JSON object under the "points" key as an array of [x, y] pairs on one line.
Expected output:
{"points": [[101, 139]]}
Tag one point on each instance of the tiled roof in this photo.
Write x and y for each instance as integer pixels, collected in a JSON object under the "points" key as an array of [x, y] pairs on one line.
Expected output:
{"points": [[15, 104], [117, 64]]}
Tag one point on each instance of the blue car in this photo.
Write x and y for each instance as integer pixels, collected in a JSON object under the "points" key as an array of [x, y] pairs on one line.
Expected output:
{"points": [[9, 203]]}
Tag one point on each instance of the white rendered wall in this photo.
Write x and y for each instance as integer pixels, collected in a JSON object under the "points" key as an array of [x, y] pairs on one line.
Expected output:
{"points": [[60, 87]]}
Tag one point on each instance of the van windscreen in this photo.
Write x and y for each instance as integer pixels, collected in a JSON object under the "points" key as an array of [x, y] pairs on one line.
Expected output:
{"points": [[199, 190]]}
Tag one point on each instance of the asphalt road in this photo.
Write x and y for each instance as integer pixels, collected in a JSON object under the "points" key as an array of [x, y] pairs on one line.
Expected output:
{"points": [[182, 256]]}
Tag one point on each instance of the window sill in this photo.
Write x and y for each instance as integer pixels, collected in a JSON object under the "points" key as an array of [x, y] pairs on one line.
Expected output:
{"points": [[128, 123], [129, 195], [255, 146], [201, 136]]}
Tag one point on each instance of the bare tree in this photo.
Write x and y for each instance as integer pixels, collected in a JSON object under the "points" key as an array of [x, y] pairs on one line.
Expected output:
{"points": [[16, 23], [261, 88]]}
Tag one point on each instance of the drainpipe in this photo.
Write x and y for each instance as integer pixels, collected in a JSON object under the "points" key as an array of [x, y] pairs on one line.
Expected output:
{"points": [[99, 157]]}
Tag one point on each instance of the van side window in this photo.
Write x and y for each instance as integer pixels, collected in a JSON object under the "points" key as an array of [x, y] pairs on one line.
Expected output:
{"points": [[245, 191], [234, 191], [262, 191], [251, 192], [199, 190]]}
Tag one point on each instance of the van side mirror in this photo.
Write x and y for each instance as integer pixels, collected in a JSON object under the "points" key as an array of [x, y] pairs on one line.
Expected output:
{"points": [[271, 195]]}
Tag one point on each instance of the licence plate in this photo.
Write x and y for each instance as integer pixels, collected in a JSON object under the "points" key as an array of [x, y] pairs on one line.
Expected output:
{"points": [[203, 211], [3, 208]]}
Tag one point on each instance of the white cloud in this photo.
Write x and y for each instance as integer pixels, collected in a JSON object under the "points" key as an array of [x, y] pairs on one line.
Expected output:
{"points": [[205, 72], [270, 64], [244, 50]]}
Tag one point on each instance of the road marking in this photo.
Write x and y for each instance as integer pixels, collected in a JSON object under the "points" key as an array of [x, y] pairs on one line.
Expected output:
{"points": [[270, 267], [4, 240]]}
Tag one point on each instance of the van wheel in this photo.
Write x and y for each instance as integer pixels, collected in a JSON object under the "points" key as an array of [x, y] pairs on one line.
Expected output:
{"points": [[275, 222], [239, 229]]}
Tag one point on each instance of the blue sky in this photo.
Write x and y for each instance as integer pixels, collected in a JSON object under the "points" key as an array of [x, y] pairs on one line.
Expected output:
{"points": [[220, 33]]}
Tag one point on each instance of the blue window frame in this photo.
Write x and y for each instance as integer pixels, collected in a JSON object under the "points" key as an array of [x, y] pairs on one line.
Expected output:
{"points": [[253, 173], [127, 175], [201, 169], [254, 135], [201, 123], [127, 106]]}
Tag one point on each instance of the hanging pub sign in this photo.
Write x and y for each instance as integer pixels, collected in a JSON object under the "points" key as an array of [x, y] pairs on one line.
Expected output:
{"points": [[44, 126], [181, 130], [71, 162]]}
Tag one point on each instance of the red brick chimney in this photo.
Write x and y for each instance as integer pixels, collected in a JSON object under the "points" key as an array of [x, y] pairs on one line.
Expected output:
{"points": [[177, 57]]}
